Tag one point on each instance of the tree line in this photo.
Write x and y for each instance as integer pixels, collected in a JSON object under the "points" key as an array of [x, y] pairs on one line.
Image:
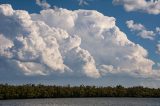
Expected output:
{"points": [[29, 91]]}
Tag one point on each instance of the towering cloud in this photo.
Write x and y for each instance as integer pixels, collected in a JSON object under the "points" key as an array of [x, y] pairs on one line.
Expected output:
{"points": [[78, 43], [150, 6]]}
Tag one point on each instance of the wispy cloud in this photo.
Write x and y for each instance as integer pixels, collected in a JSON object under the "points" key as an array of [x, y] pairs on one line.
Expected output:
{"points": [[158, 48], [83, 2], [158, 30], [43, 4], [140, 30], [150, 7]]}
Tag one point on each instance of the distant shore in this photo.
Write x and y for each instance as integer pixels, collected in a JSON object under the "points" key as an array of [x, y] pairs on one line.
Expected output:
{"points": [[31, 91]]}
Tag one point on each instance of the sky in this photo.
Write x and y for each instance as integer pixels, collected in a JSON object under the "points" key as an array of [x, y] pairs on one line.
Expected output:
{"points": [[90, 42]]}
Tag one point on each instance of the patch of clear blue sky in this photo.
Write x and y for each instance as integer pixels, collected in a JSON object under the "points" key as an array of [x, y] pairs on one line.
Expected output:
{"points": [[107, 8]]}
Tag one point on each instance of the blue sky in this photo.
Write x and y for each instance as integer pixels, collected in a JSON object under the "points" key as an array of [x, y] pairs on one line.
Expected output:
{"points": [[149, 20]]}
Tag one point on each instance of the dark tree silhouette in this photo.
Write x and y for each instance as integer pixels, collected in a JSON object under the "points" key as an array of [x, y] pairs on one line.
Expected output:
{"points": [[43, 91]]}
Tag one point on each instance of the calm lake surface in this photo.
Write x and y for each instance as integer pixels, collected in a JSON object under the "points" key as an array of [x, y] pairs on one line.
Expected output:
{"points": [[83, 102]]}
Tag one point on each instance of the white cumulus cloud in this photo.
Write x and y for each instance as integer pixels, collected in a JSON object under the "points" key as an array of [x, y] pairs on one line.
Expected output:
{"points": [[60, 41], [140, 30], [150, 7]]}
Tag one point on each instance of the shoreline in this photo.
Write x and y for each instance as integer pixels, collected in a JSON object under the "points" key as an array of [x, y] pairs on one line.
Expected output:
{"points": [[84, 98]]}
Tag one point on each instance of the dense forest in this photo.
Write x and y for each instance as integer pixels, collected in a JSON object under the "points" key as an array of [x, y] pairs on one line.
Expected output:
{"points": [[42, 91]]}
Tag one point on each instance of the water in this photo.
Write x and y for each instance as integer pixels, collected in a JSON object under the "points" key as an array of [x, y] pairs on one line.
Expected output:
{"points": [[83, 102]]}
